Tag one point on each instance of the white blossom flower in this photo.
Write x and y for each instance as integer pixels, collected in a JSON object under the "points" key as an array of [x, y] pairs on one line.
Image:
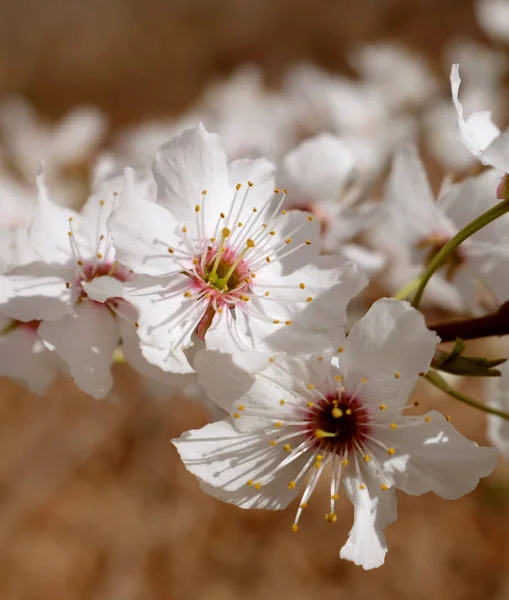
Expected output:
{"points": [[493, 17], [478, 133], [291, 421], [323, 178], [75, 288], [416, 227], [225, 260]]}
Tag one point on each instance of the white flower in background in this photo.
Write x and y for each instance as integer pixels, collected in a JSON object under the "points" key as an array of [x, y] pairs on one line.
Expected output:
{"points": [[498, 429], [252, 120], [415, 227], [74, 289], [292, 421], [478, 133], [225, 260], [483, 73], [403, 79], [322, 177], [493, 17], [68, 143]]}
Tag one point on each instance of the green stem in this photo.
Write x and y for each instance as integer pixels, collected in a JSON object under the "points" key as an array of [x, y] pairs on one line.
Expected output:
{"points": [[485, 219], [434, 378], [406, 290]]}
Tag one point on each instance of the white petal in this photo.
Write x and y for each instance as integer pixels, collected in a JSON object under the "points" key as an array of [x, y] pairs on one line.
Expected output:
{"points": [[389, 346], [320, 167], [143, 233], [23, 357], [85, 340], [477, 131], [48, 231], [36, 291], [186, 166], [498, 429], [374, 510], [174, 360], [434, 457], [368, 261], [225, 460], [102, 288]]}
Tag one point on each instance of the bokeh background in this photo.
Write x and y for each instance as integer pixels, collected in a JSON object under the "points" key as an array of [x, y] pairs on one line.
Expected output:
{"points": [[94, 503]]}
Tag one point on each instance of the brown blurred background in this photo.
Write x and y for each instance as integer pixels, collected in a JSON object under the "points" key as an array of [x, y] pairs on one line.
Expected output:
{"points": [[94, 503]]}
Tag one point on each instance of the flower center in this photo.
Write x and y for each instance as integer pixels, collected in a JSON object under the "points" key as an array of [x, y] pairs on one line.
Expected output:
{"points": [[338, 423], [433, 244]]}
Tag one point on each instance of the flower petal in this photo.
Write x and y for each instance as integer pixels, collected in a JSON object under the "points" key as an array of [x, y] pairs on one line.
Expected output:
{"points": [[374, 510], [389, 347], [102, 288], [85, 340], [434, 457], [225, 460], [37, 291]]}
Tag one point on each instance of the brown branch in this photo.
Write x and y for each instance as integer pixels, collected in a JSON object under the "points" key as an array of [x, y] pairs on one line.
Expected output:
{"points": [[495, 324]]}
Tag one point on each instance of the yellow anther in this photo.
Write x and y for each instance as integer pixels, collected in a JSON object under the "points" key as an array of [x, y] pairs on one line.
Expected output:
{"points": [[101, 202], [236, 416], [416, 404], [196, 261], [80, 263], [366, 458], [348, 411], [250, 482], [250, 243], [219, 310], [67, 285], [267, 294], [276, 190], [276, 321], [304, 505], [240, 407], [287, 448], [310, 218], [393, 426], [238, 186], [391, 451], [272, 359], [384, 487], [448, 418], [69, 233], [268, 259], [310, 404], [319, 358], [257, 485], [310, 386], [362, 486], [250, 183], [344, 462], [285, 191], [281, 402], [291, 485], [70, 219], [383, 406], [197, 208], [335, 496], [273, 442], [222, 215], [295, 528], [309, 299], [341, 349], [171, 250], [318, 464], [239, 224], [364, 380], [422, 373], [187, 294], [428, 419], [288, 322], [255, 209], [277, 425], [284, 211], [288, 241], [302, 286], [184, 229], [338, 378], [244, 298], [337, 413], [319, 457], [397, 374], [272, 232], [226, 232], [331, 517], [308, 243], [204, 192]]}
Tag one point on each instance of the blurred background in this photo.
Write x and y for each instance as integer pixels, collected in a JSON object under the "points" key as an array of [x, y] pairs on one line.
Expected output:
{"points": [[94, 503]]}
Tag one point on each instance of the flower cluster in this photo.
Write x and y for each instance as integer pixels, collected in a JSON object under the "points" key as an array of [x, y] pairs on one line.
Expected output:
{"points": [[209, 277]]}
